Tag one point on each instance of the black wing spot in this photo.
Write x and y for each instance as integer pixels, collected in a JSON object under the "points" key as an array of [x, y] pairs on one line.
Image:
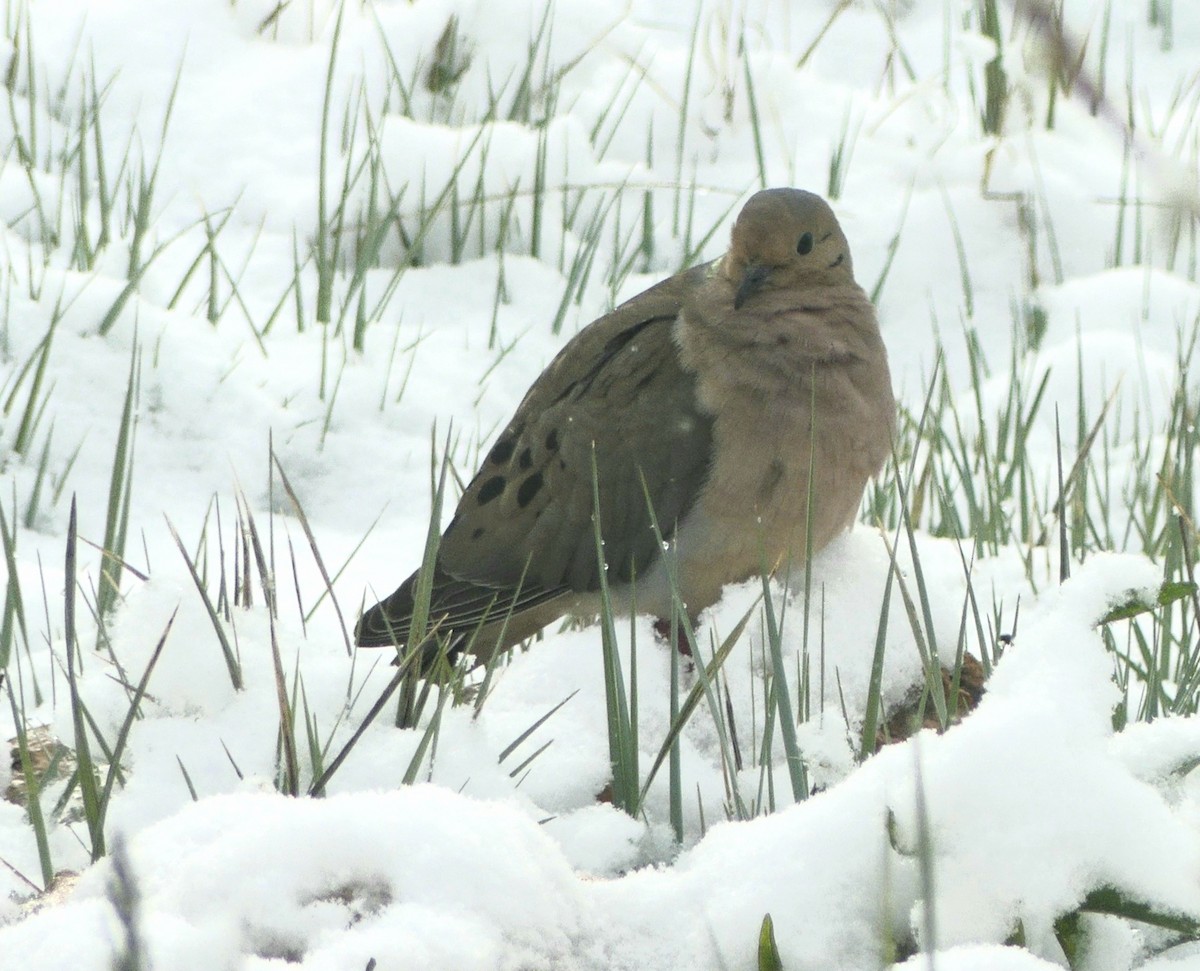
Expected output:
{"points": [[502, 451], [529, 488], [491, 489], [552, 441], [478, 532], [525, 460]]}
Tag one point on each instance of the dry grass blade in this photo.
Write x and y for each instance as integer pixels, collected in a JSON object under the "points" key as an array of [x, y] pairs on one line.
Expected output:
{"points": [[312, 545], [1085, 449], [231, 661], [265, 577], [287, 716], [110, 557], [187, 780], [402, 672], [512, 746], [131, 715], [816, 41]]}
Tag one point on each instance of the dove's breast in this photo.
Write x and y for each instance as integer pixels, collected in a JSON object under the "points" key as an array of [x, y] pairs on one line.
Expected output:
{"points": [[800, 426]]}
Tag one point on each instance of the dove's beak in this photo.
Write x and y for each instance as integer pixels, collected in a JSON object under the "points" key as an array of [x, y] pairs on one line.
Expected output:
{"points": [[752, 280]]}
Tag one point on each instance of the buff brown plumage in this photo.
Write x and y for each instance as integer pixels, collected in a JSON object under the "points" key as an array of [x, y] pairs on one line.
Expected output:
{"points": [[739, 396]]}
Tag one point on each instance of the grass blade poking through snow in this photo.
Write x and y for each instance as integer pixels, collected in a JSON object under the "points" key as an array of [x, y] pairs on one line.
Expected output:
{"points": [[120, 488], [402, 672], [312, 545], [34, 402], [995, 80], [30, 519], [420, 637], [705, 678], [797, 773], [114, 767], [126, 900], [324, 259], [1064, 544], [681, 131], [231, 659], [288, 774], [1113, 901], [934, 687], [1072, 932], [14, 608], [33, 790], [768, 950], [926, 641], [516, 742], [146, 187], [893, 246], [85, 767], [755, 127], [429, 736], [925, 858], [622, 742], [874, 710], [675, 763]]}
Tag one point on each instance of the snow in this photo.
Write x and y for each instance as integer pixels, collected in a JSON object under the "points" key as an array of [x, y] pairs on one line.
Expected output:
{"points": [[1031, 803]]}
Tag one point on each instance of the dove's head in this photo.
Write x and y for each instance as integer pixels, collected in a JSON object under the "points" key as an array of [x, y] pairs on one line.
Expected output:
{"points": [[785, 239]]}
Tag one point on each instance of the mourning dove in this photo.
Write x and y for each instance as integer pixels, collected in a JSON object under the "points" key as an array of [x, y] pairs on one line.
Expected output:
{"points": [[738, 397]]}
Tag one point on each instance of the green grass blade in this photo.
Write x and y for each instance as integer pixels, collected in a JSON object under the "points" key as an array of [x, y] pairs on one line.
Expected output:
{"points": [[231, 661], [33, 805], [622, 743], [86, 770], [120, 488], [768, 950]]}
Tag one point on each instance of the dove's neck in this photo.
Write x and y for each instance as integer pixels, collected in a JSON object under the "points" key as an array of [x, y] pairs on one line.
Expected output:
{"points": [[774, 344]]}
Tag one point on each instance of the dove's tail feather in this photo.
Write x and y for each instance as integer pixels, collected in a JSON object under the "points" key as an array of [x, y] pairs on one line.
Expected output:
{"points": [[462, 616]]}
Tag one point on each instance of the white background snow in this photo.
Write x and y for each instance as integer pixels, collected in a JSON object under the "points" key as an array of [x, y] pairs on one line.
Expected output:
{"points": [[1033, 801]]}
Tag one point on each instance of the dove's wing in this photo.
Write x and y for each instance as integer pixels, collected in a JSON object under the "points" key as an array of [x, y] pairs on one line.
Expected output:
{"points": [[523, 533], [618, 392]]}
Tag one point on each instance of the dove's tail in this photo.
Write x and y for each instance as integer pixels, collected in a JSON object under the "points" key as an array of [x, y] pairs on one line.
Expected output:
{"points": [[462, 616]]}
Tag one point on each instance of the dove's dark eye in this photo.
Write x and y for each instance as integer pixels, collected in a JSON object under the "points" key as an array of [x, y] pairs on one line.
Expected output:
{"points": [[804, 247]]}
